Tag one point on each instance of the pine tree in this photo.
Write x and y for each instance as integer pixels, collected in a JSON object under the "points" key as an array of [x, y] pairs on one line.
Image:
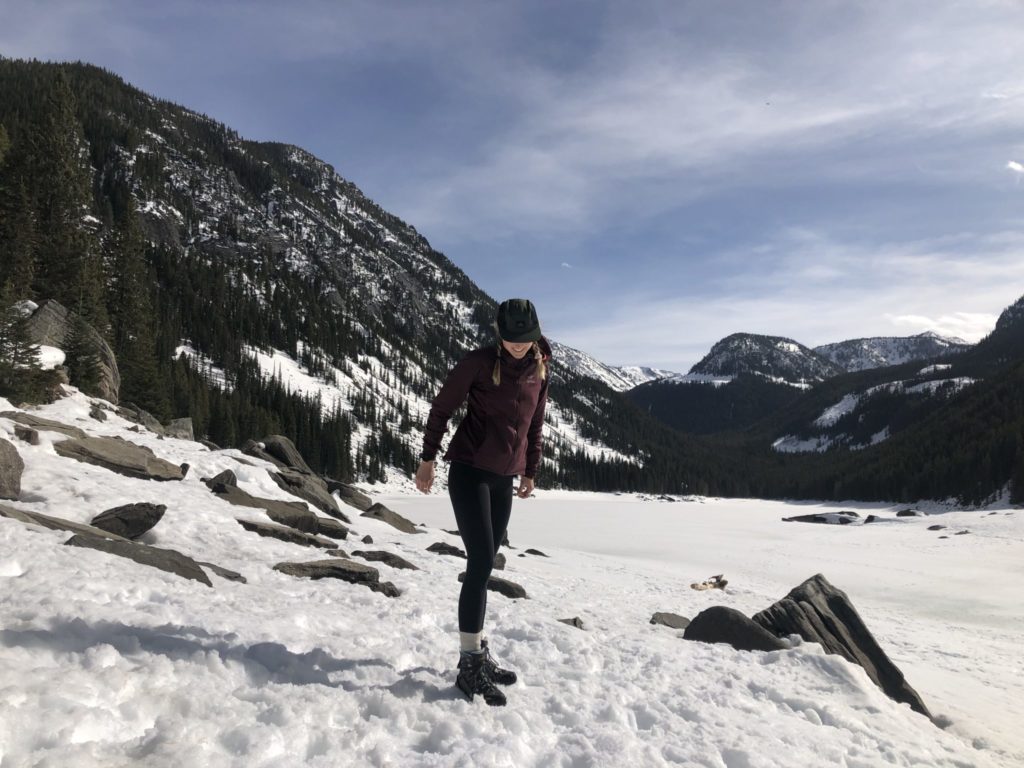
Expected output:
{"points": [[82, 356], [21, 374]]}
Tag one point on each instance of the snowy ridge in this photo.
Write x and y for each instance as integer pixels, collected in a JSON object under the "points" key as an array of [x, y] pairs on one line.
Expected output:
{"points": [[104, 661], [618, 378], [779, 359], [882, 351]]}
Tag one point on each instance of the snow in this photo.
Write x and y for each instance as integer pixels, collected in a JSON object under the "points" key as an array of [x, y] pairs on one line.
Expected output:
{"points": [[50, 357], [834, 413], [934, 368], [715, 380], [107, 662]]}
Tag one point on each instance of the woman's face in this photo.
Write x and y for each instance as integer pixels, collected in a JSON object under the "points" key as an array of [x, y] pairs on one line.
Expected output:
{"points": [[517, 350]]}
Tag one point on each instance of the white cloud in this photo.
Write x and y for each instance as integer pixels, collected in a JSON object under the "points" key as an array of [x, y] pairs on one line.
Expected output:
{"points": [[1013, 165]]}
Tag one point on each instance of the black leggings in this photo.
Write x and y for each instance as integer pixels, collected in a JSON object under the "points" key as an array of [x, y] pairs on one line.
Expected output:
{"points": [[482, 502]]}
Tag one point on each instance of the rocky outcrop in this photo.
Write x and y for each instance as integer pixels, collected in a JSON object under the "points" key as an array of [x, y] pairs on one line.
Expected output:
{"points": [[446, 549], [284, 533], [341, 568], [11, 468], [294, 514], [169, 560], [820, 613], [130, 520], [504, 586], [51, 323], [388, 558], [328, 526], [310, 488], [119, 455], [132, 412], [382, 513], [56, 523], [721, 624], [39, 423], [278, 450], [673, 620], [180, 428], [349, 495], [26, 434]]}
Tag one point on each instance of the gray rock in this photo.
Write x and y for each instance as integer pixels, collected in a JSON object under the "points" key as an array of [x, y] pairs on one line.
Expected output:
{"points": [[11, 469], [341, 568], [499, 562], [936, 527], [453, 533], [961, 533], [56, 523], [575, 621], [388, 558], [180, 428], [310, 488], [119, 455], [132, 412], [841, 518], [282, 450], [532, 551], [504, 586], [721, 624], [367, 539], [380, 512], [446, 549], [224, 573], [328, 526], [211, 445], [169, 560], [227, 477], [284, 533], [820, 613], [294, 514], [42, 424], [26, 434], [910, 513], [50, 325], [95, 412], [673, 620], [349, 495], [130, 520]]}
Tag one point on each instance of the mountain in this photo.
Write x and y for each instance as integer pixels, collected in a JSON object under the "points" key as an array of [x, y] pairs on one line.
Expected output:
{"points": [[881, 351], [773, 357], [618, 378]]}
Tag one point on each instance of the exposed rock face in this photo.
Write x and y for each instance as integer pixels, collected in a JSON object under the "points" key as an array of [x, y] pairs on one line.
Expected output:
{"points": [[388, 558], [181, 428], [284, 533], [721, 624], [119, 455], [380, 512], [446, 549], [26, 434], [351, 496], [673, 620], [328, 526], [40, 423], [311, 488], [130, 520], [11, 468], [820, 613], [56, 523], [165, 559], [50, 324], [341, 568], [504, 586], [278, 450]]}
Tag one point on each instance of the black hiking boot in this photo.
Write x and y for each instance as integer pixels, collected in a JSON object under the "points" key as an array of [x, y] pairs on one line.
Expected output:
{"points": [[474, 677], [499, 675]]}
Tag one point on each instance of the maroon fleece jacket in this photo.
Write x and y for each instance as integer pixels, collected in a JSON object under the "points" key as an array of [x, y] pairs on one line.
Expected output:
{"points": [[502, 429]]}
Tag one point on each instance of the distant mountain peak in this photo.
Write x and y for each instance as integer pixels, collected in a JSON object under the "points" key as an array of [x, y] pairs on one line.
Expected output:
{"points": [[775, 357], [1012, 315], [883, 351]]}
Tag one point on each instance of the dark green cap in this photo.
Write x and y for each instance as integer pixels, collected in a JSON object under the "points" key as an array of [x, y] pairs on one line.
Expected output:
{"points": [[517, 321]]}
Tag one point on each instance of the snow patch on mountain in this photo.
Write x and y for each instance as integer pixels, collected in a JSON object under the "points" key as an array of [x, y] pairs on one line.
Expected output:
{"points": [[882, 351]]}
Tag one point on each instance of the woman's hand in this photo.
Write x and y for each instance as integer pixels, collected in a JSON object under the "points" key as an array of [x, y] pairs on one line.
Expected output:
{"points": [[525, 487], [425, 476]]}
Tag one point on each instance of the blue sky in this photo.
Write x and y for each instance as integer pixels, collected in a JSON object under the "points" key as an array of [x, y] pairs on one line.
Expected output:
{"points": [[655, 175]]}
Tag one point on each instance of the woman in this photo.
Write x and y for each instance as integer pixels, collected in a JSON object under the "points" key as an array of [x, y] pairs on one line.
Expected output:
{"points": [[499, 438]]}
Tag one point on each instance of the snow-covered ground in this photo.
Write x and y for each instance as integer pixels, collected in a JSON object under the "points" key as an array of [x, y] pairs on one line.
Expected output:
{"points": [[107, 662]]}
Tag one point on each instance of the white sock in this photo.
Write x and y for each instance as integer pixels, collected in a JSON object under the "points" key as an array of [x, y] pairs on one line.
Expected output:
{"points": [[470, 641]]}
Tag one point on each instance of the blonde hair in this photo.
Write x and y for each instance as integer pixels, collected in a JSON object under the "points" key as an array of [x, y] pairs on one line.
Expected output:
{"points": [[541, 369]]}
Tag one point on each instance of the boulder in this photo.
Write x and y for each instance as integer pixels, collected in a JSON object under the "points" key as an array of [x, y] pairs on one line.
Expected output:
{"points": [[310, 488], [224, 573], [130, 520], [39, 423], [97, 413], [328, 526], [341, 568], [828, 518], [119, 455], [294, 514], [227, 478], [499, 562], [180, 428], [721, 624], [349, 495], [284, 533], [388, 558], [50, 324], [367, 539], [278, 450], [56, 523], [910, 513], [26, 434], [575, 621], [169, 560], [504, 586], [11, 468], [532, 551], [820, 613], [446, 549], [673, 620], [936, 527], [209, 444], [380, 512], [132, 412]]}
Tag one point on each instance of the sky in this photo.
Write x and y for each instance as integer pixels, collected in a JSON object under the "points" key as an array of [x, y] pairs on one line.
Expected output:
{"points": [[653, 175]]}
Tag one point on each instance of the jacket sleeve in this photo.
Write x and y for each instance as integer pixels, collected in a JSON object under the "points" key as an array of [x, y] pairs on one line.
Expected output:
{"points": [[536, 433], [451, 395]]}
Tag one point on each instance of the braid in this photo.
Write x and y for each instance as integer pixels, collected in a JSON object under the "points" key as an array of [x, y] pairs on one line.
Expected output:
{"points": [[496, 375], [542, 370]]}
